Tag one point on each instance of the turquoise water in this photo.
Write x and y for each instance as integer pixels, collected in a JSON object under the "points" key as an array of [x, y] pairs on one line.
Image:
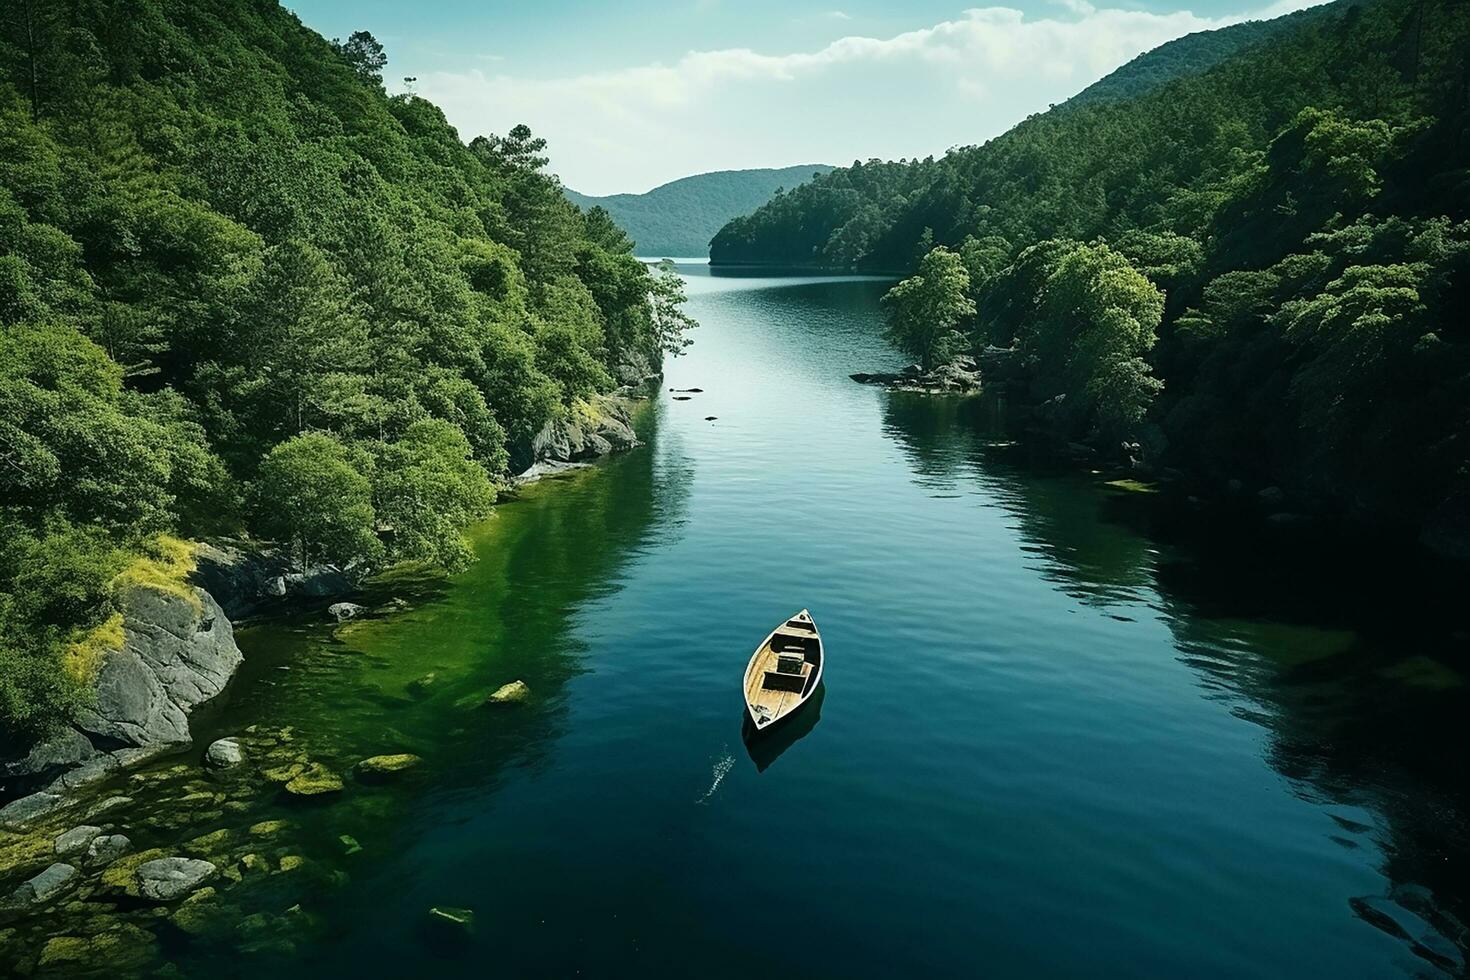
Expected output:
{"points": [[1064, 732]]}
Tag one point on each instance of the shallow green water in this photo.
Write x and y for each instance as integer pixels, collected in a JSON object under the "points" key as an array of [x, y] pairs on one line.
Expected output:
{"points": [[1064, 732]]}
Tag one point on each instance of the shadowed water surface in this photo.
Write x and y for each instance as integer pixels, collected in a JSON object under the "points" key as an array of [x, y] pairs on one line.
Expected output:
{"points": [[1058, 736]]}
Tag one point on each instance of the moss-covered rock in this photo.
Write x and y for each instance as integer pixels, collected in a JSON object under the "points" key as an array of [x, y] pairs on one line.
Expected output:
{"points": [[268, 828], [121, 875], [316, 780], [291, 862], [25, 851], [202, 914], [424, 686], [122, 949], [385, 766], [284, 773], [207, 844], [255, 863], [516, 692]]}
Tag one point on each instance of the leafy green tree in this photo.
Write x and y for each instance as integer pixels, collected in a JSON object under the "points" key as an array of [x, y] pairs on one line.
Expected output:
{"points": [[364, 55], [924, 310], [1096, 318], [428, 488], [314, 493], [670, 324]]}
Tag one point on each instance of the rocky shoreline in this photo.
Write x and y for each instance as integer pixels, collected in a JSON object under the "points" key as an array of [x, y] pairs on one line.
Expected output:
{"points": [[110, 850], [179, 650], [961, 376]]}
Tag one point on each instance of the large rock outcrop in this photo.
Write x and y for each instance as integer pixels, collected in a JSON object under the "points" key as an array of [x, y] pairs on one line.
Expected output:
{"points": [[247, 576], [600, 427], [179, 651]]}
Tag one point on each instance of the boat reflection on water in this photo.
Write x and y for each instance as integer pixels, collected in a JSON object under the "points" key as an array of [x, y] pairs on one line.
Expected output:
{"points": [[766, 747]]}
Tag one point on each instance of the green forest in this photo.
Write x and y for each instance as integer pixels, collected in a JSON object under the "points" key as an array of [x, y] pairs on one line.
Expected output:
{"points": [[244, 290], [1245, 256], [679, 218]]}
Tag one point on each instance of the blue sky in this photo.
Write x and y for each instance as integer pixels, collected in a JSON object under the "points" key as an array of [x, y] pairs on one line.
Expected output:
{"points": [[639, 92]]}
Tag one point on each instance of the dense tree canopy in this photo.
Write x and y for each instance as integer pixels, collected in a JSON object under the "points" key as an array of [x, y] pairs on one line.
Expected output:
{"points": [[243, 289], [924, 310], [1283, 206]]}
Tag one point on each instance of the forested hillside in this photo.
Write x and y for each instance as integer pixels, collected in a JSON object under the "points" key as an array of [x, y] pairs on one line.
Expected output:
{"points": [[1258, 272], [243, 289], [1193, 54], [680, 217]]}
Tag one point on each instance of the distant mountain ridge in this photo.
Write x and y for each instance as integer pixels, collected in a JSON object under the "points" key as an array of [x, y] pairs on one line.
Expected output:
{"points": [[1194, 54], [679, 218]]}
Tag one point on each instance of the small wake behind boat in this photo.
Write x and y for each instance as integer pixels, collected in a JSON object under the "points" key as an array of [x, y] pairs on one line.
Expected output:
{"points": [[784, 671]]}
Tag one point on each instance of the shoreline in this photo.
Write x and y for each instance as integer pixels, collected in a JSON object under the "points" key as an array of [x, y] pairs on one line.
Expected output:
{"points": [[243, 583]]}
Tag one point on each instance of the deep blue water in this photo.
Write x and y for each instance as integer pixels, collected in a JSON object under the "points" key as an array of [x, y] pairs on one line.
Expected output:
{"points": [[1059, 737]]}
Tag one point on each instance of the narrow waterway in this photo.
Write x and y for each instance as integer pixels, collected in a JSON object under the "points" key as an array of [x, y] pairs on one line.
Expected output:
{"points": [[1059, 735]]}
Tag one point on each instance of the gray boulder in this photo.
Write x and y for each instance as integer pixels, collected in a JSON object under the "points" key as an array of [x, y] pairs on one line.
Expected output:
{"points": [[604, 429], [62, 751], [18, 813], [77, 839], [320, 582], [106, 849], [92, 771], [224, 753], [170, 878], [44, 886], [1272, 496], [177, 653], [343, 611]]}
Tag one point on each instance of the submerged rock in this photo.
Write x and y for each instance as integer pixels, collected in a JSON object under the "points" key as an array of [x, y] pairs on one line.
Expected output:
{"points": [[343, 611], [268, 828], [423, 686], [515, 692], [201, 914], [450, 915], [77, 839], [44, 886], [106, 849], [170, 878], [959, 376], [207, 844], [121, 950], [316, 780], [224, 753], [387, 765]]}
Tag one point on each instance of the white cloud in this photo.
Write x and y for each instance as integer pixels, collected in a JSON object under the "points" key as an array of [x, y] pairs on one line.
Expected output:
{"points": [[959, 81], [838, 15]]}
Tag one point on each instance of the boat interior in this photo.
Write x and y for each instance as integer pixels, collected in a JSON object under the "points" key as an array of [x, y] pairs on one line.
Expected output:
{"points": [[782, 670]]}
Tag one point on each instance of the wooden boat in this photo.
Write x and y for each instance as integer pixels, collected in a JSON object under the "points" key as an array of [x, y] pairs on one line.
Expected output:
{"points": [[783, 672]]}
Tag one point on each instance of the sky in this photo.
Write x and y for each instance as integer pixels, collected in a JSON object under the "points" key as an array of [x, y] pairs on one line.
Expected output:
{"points": [[636, 93]]}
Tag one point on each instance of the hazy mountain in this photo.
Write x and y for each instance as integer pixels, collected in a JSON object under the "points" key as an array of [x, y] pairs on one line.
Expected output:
{"points": [[680, 217]]}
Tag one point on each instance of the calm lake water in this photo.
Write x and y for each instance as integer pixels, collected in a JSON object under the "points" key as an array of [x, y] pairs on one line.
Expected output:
{"points": [[1061, 734]]}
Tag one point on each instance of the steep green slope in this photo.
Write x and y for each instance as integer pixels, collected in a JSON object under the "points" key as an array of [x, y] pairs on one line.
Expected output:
{"points": [[243, 289], [1192, 54], [679, 218], [1299, 210]]}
